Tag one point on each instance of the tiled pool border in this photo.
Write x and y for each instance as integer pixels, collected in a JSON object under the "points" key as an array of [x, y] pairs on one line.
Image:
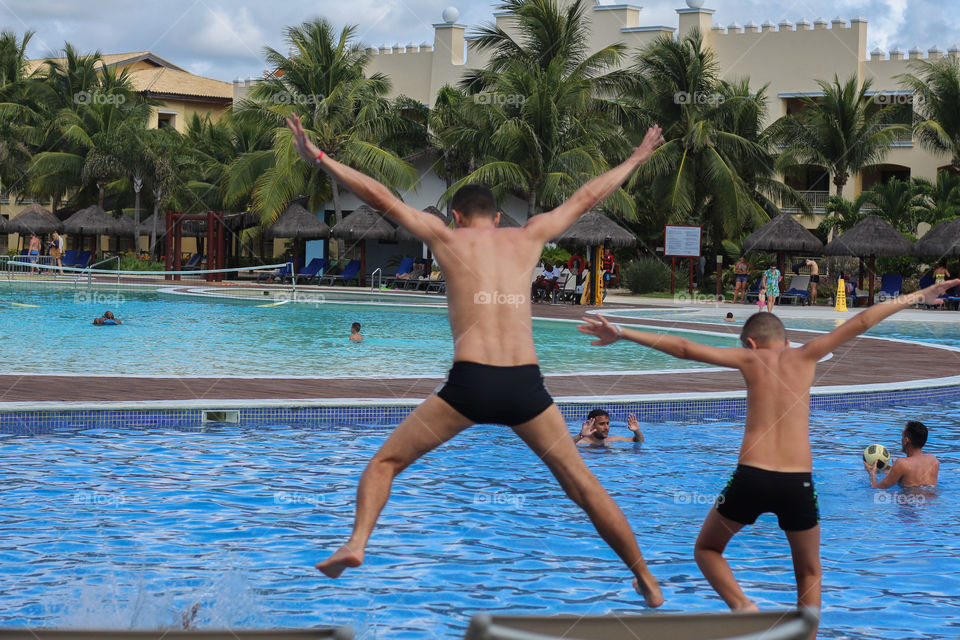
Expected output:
{"points": [[688, 407]]}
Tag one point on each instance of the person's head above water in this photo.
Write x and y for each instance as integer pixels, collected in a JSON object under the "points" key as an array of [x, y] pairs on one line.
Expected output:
{"points": [[915, 433], [355, 327], [764, 330], [108, 315], [474, 202], [601, 423]]}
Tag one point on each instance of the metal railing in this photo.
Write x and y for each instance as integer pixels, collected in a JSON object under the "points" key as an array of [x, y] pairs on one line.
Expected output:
{"points": [[816, 200], [87, 269], [378, 274]]}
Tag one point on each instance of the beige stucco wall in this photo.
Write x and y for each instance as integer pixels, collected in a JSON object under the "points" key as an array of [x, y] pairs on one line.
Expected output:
{"points": [[185, 110]]}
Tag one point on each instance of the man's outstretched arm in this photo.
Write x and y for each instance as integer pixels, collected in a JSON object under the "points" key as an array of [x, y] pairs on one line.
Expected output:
{"points": [[820, 347], [423, 225], [549, 225]]}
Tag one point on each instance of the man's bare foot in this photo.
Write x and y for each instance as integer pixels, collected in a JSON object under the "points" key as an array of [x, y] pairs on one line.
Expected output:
{"points": [[748, 605], [650, 590], [344, 558]]}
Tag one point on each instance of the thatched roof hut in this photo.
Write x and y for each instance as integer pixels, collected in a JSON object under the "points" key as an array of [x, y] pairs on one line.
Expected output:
{"points": [[942, 241], [405, 236], [594, 229], [296, 222], [364, 224], [870, 237], [95, 221], [34, 219], [506, 222], [783, 233]]}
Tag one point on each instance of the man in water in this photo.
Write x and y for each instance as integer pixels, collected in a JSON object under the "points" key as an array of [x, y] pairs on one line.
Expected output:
{"points": [[355, 333], [596, 429], [916, 469], [106, 319], [495, 378]]}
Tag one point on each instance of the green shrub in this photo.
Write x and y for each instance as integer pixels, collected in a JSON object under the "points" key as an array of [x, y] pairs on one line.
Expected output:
{"points": [[554, 255], [647, 275]]}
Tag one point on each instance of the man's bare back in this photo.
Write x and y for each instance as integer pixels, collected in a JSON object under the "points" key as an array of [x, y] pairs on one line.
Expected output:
{"points": [[916, 468]]}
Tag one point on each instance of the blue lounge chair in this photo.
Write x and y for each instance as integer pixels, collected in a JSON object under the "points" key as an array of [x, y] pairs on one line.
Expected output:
{"points": [[282, 274], [69, 258], [890, 286], [402, 269], [192, 263], [83, 259], [313, 270], [350, 272], [797, 293]]}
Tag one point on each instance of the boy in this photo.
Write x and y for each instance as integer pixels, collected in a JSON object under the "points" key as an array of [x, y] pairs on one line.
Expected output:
{"points": [[355, 333], [775, 463], [917, 469], [495, 378]]}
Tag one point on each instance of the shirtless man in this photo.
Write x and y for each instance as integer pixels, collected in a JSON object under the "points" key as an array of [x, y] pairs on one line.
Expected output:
{"points": [[774, 473], [814, 279], [595, 429], [33, 252], [917, 469], [495, 377]]}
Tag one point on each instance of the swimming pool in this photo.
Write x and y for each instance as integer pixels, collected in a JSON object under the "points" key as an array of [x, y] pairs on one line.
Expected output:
{"points": [[177, 335], [130, 528]]}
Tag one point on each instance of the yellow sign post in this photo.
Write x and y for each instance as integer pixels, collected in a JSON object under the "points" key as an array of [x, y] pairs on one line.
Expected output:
{"points": [[841, 304]]}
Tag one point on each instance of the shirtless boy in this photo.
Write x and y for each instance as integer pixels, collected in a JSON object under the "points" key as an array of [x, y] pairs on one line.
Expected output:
{"points": [[495, 377], [775, 463], [917, 469]]}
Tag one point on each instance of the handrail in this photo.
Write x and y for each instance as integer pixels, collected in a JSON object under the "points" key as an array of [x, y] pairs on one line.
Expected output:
{"points": [[293, 278], [97, 264], [378, 273]]}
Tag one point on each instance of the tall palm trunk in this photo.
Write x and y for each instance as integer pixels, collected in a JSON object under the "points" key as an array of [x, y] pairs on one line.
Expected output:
{"points": [[156, 214], [337, 216], [137, 186]]}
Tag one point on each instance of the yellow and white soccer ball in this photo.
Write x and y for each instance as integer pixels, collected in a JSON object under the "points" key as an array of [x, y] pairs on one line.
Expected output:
{"points": [[878, 453]]}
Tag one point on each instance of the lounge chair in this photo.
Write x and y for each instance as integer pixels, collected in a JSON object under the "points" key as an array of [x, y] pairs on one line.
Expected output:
{"points": [[192, 263], [83, 259], [69, 258], [403, 268], [797, 293], [350, 272], [568, 289], [338, 633], [311, 271], [281, 274], [890, 286], [927, 280], [764, 625]]}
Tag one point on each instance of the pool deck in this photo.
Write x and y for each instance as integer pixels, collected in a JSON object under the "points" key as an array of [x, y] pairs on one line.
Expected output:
{"points": [[863, 363]]}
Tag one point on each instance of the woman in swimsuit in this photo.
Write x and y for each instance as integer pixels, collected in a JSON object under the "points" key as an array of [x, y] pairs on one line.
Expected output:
{"points": [[742, 270]]}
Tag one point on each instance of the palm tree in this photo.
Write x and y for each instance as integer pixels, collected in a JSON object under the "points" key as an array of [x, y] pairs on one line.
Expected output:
{"points": [[942, 197], [538, 123], [842, 214], [716, 166], [902, 203], [445, 119], [840, 130], [343, 111], [936, 124], [17, 114]]}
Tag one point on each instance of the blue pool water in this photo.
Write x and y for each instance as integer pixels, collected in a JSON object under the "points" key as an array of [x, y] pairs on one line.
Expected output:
{"points": [[131, 528], [166, 334]]}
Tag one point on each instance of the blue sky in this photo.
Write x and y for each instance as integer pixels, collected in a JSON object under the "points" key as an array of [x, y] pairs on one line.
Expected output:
{"points": [[224, 39]]}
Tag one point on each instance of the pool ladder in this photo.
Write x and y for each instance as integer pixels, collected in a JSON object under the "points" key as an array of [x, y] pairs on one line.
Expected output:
{"points": [[87, 271], [378, 274]]}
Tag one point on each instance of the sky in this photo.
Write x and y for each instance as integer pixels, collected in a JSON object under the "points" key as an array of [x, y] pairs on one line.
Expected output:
{"points": [[225, 39]]}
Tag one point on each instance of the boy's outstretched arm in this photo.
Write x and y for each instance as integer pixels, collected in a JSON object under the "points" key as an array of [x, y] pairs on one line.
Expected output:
{"points": [[423, 225], [549, 225], [820, 347], [607, 333]]}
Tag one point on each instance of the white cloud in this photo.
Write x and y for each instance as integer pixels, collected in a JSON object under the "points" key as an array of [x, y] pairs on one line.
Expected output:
{"points": [[228, 33]]}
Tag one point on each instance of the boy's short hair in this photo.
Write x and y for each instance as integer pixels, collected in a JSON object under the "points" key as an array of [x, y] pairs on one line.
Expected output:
{"points": [[916, 433], [474, 200], [596, 413], [729, 314], [764, 328], [355, 326]]}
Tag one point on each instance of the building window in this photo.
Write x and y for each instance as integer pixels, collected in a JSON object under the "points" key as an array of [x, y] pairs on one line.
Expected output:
{"points": [[166, 120]]}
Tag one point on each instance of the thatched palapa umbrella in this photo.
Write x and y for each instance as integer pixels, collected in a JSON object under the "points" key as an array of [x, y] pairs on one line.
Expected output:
{"points": [[870, 237], [33, 219], [783, 234], [594, 229], [298, 223], [942, 241], [361, 225], [95, 221]]}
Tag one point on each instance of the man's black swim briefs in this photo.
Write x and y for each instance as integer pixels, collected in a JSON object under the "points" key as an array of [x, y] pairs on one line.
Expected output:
{"points": [[752, 491], [496, 395]]}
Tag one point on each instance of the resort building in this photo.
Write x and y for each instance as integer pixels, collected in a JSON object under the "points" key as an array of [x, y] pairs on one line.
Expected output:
{"points": [[789, 57]]}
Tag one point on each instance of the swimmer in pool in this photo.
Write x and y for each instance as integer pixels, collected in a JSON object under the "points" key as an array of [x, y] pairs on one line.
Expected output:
{"points": [[916, 469], [774, 473], [108, 319], [596, 429], [495, 378], [355, 333]]}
